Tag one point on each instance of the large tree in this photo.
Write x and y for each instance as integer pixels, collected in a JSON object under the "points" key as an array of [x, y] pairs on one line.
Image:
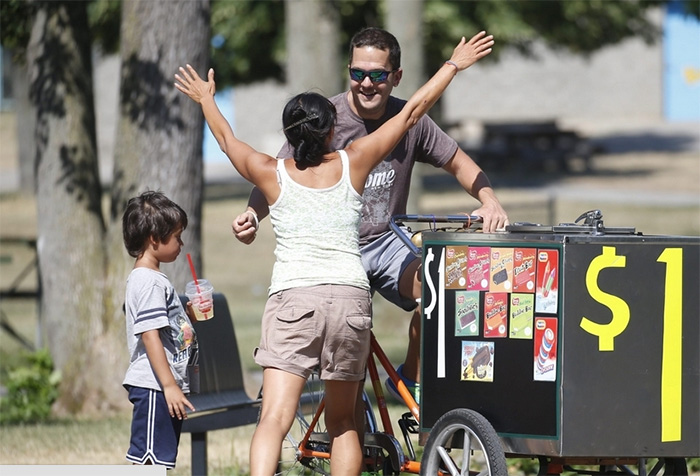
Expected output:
{"points": [[160, 134], [70, 225]]}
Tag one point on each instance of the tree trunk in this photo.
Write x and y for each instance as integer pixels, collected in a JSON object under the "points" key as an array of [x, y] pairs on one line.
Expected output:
{"points": [[70, 224], [160, 131], [405, 21], [313, 61], [24, 110]]}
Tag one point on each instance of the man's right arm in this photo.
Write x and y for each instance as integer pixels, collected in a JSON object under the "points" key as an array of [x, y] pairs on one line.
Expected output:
{"points": [[246, 224]]}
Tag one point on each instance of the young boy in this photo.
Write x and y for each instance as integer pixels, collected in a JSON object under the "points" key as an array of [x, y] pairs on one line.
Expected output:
{"points": [[159, 334]]}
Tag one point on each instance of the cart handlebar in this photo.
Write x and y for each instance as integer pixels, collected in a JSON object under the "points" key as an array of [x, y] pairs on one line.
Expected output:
{"points": [[398, 220]]}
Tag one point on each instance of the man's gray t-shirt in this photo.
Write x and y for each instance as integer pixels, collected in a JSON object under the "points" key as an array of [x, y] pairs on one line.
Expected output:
{"points": [[387, 187], [152, 303]]}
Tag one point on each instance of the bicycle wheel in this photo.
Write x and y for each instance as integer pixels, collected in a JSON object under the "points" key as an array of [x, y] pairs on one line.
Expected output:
{"points": [[453, 432], [291, 463]]}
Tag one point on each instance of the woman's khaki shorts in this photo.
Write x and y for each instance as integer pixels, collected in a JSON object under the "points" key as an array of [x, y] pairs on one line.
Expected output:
{"points": [[325, 327]]}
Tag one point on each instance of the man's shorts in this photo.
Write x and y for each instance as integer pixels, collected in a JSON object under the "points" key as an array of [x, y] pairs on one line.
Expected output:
{"points": [[155, 435], [385, 259], [325, 327]]}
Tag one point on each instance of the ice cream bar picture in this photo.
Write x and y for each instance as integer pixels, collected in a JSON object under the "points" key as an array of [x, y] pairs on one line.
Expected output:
{"points": [[466, 313], [468, 319], [500, 276], [477, 361]]}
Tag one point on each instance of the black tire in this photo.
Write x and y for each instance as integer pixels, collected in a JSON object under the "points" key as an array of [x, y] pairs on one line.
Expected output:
{"points": [[663, 466], [443, 450]]}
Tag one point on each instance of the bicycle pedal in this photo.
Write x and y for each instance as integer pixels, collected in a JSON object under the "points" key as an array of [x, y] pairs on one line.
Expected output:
{"points": [[408, 421]]}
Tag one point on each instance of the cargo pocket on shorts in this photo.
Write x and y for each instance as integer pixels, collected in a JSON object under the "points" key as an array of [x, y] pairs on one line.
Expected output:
{"points": [[293, 314], [295, 320], [360, 322]]}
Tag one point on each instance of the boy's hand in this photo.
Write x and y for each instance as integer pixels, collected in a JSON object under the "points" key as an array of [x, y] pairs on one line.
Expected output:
{"points": [[177, 401], [189, 311]]}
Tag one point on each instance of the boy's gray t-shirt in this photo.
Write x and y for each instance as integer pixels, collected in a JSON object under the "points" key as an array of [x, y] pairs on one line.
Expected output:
{"points": [[387, 187], [152, 303]]}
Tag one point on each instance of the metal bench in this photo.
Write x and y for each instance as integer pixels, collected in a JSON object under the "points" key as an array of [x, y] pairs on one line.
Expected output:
{"points": [[222, 401]]}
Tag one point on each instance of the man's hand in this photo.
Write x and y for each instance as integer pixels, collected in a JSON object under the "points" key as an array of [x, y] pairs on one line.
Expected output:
{"points": [[494, 217], [244, 228]]}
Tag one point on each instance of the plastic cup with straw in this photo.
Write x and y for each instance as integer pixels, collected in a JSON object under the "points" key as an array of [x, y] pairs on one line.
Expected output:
{"points": [[200, 291]]}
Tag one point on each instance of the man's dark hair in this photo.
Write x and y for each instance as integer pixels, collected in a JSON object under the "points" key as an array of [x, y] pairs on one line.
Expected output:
{"points": [[380, 39], [151, 214]]}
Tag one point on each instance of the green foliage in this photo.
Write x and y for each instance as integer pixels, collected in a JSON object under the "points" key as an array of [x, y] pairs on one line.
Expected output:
{"points": [[249, 43], [104, 17], [15, 24], [578, 26], [31, 390], [248, 36], [693, 464], [16, 18], [247, 40]]}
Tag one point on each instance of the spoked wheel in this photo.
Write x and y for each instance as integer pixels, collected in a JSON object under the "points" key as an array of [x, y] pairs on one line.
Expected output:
{"points": [[462, 443], [290, 462], [663, 466]]}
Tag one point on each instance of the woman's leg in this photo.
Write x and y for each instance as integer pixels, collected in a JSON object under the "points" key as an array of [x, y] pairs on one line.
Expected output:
{"points": [[346, 452], [281, 392]]}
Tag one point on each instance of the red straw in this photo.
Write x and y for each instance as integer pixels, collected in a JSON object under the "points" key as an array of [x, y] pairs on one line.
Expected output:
{"points": [[194, 274]]}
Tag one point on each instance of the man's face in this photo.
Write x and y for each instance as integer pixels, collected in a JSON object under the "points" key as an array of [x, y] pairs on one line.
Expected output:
{"points": [[369, 98]]}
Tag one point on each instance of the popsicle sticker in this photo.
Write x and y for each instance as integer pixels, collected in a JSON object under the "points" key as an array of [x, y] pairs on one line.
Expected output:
{"points": [[546, 295], [549, 282], [545, 349]]}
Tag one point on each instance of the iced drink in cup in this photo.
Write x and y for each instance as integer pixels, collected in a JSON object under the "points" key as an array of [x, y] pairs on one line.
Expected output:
{"points": [[200, 293]]}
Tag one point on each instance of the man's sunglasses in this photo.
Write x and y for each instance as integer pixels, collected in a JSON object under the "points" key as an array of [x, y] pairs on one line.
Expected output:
{"points": [[379, 76]]}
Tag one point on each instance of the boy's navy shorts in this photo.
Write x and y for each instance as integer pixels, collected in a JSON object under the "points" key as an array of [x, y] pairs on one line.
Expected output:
{"points": [[155, 435]]}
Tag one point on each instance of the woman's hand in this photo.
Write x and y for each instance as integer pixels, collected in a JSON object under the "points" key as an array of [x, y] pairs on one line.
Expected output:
{"points": [[467, 53], [195, 87]]}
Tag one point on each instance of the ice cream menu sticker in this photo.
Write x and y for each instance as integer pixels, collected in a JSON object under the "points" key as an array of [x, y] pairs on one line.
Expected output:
{"points": [[524, 270], [495, 314], [478, 266], [501, 270], [522, 311], [467, 313], [456, 267], [547, 281], [545, 355], [477, 361]]}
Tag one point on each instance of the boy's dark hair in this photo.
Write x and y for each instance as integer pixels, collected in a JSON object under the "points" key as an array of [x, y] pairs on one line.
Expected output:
{"points": [[380, 39], [151, 214], [308, 120]]}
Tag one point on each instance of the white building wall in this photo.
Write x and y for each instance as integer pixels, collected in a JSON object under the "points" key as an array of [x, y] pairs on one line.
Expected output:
{"points": [[619, 83]]}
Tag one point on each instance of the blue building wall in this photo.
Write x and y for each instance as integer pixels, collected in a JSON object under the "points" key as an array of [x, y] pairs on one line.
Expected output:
{"points": [[681, 50]]}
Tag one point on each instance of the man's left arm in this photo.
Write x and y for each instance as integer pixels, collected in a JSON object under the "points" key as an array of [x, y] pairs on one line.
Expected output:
{"points": [[476, 183]]}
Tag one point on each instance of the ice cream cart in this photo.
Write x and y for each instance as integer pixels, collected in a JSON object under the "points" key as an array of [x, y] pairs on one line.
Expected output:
{"points": [[578, 343]]}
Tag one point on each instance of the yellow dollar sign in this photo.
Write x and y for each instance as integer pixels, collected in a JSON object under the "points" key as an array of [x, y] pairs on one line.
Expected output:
{"points": [[620, 311]]}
